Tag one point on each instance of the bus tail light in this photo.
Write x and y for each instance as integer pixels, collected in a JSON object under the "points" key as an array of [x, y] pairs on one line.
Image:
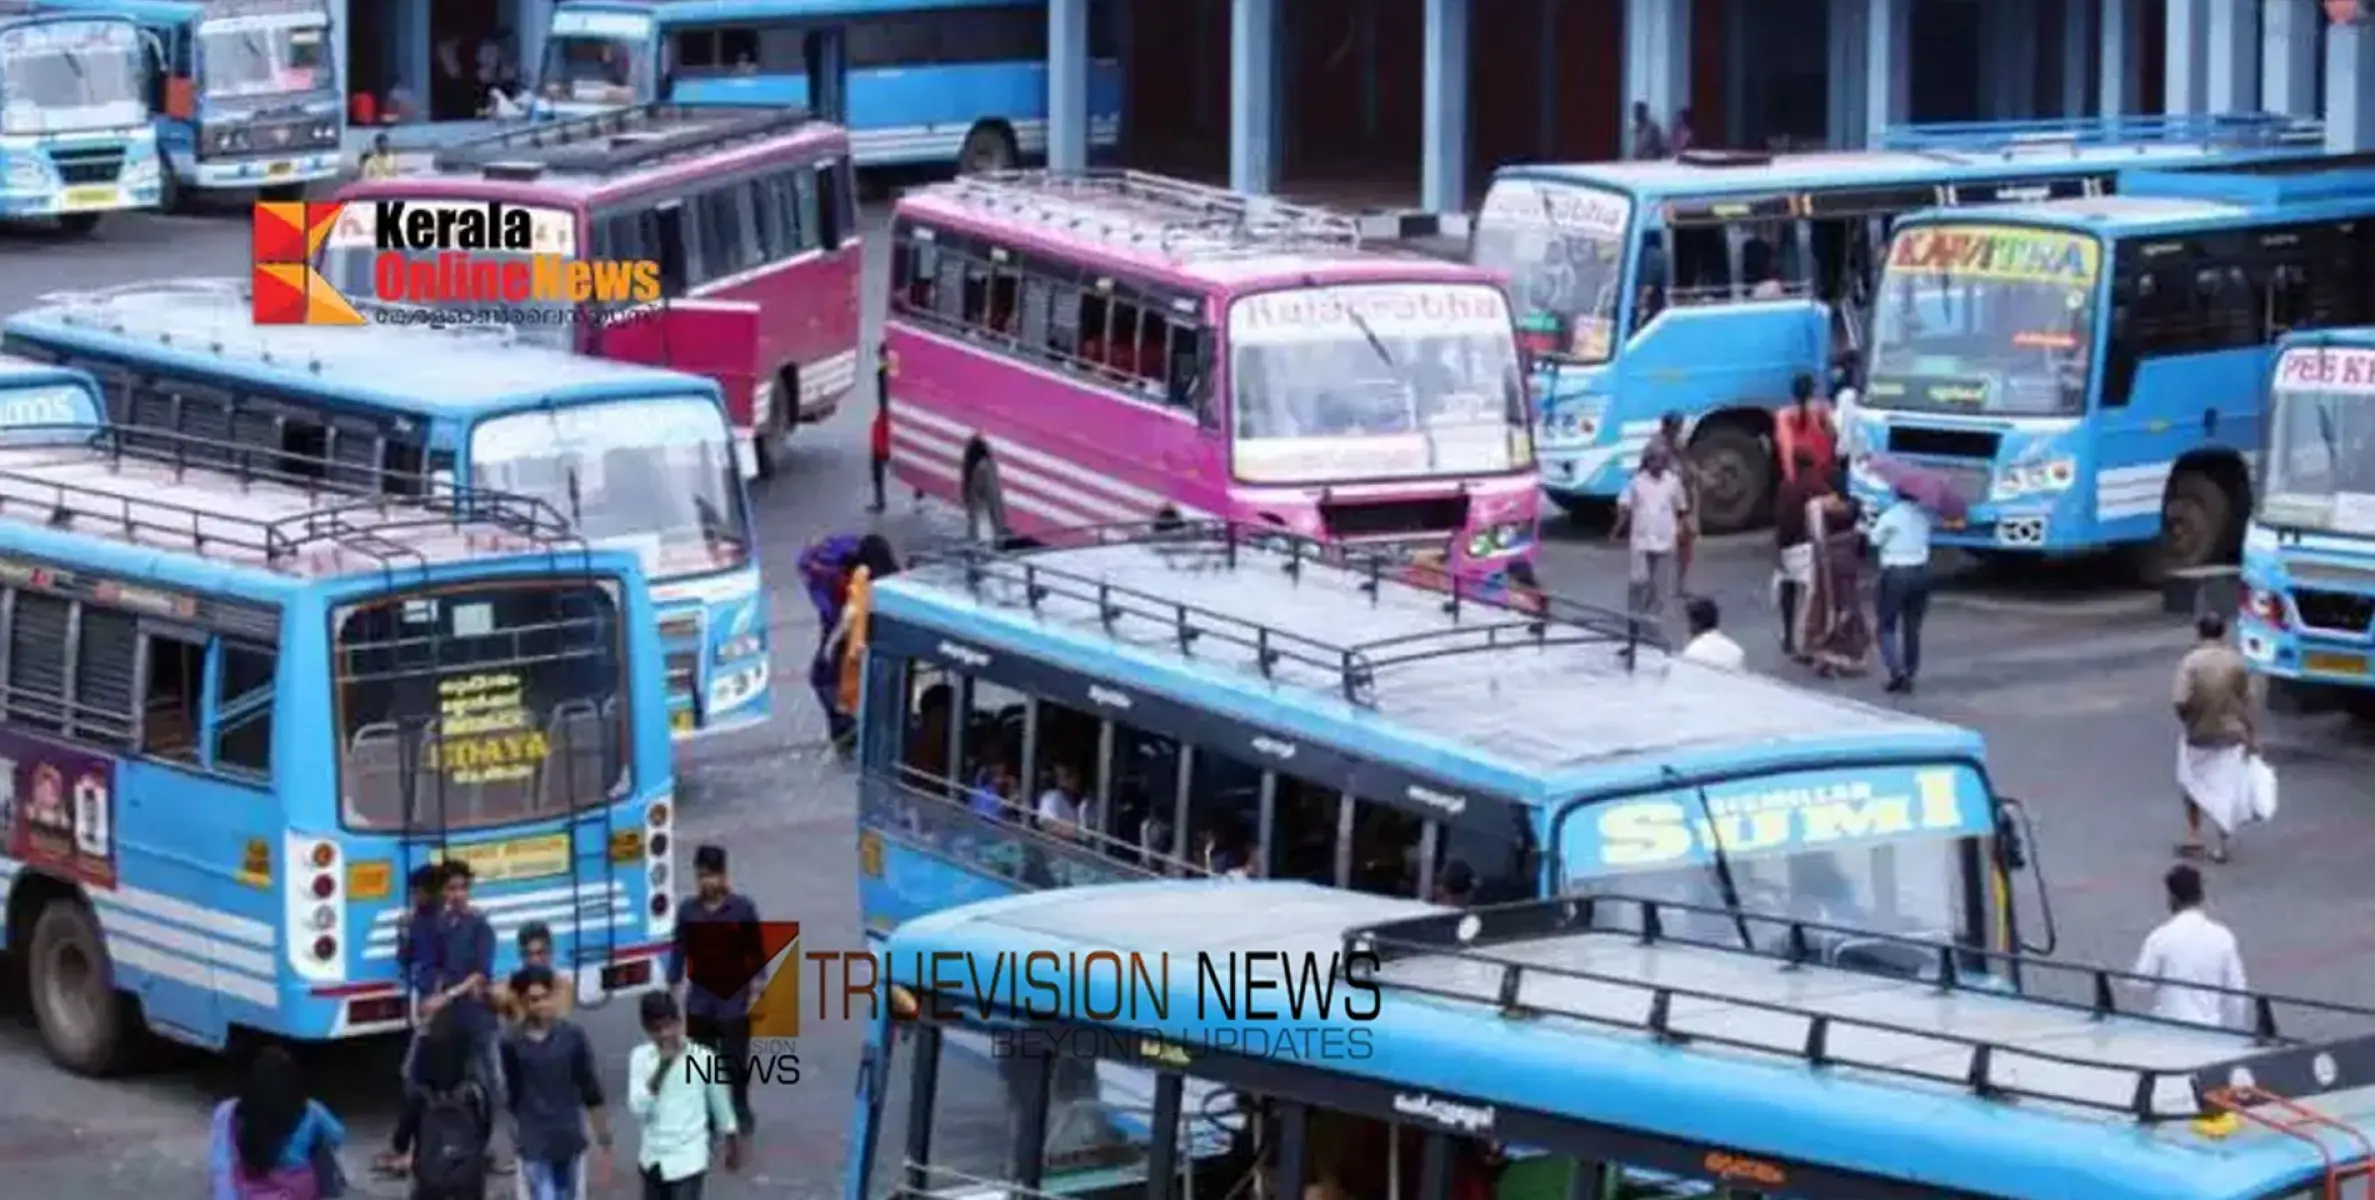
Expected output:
{"points": [[2265, 607], [323, 855], [374, 1010], [659, 845], [657, 814], [325, 918], [325, 947], [659, 904], [323, 885], [314, 909]]}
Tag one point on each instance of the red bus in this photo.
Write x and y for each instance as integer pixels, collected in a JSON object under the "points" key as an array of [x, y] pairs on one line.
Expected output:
{"points": [[750, 213]]}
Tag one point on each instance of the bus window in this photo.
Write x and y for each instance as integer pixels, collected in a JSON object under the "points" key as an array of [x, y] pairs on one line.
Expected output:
{"points": [[931, 698], [1224, 812], [1701, 267], [171, 697], [38, 629], [1303, 833], [106, 662], [243, 708], [805, 206], [1385, 850], [1141, 793]]}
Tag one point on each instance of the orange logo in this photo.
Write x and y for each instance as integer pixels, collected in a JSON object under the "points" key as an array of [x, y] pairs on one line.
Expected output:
{"points": [[764, 956], [287, 290]]}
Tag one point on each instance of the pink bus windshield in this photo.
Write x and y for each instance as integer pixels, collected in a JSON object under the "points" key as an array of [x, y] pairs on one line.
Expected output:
{"points": [[1374, 381]]}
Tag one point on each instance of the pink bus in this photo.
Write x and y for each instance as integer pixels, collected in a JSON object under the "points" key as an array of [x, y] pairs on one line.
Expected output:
{"points": [[1106, 348], [751, 215]]}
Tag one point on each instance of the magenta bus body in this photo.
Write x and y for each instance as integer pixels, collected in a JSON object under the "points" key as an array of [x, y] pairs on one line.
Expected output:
{"points": [[764, 229], [1062, 361]]}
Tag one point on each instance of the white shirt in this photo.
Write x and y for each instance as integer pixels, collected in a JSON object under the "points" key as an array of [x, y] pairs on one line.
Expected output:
{"points": [[1716, 650], [1055, 806], [1655, 504], [2192, 948]]}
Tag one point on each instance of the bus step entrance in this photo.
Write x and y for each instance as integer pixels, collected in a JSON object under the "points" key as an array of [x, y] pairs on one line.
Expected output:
{"points": [[2353, 1160]]}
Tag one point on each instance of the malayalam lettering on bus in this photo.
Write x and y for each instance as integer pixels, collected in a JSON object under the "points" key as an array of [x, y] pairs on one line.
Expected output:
{"points": [[486, 731]]}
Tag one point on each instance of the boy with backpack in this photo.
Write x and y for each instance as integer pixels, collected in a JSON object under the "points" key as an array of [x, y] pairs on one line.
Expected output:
{"points": [[449, 1119]]}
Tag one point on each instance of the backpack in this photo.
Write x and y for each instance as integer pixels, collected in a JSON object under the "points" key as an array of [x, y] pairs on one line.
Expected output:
{"points": [[449, 1154]]}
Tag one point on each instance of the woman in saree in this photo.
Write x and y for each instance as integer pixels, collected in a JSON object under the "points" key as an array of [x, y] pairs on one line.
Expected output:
{"points": [[1833, 632]]}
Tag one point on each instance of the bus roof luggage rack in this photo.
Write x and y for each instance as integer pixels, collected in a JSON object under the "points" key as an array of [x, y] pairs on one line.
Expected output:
{"points": [[362, 524], [87, 308], [1032, 583], [1179, 217], [2170, 1070], [2013, 139], [616, 142]]}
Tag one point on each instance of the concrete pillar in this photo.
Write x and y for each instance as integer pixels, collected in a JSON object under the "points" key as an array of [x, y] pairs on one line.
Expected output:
{"points": [[2008, 78], [1736, 91], [413, 28], [2231, 43], [2350, 89], [1657, 67], [534, 19], [2078, 57], [1443, 140], [1068, 85], [1546, 117], [1844, 100], [2290, 32], [1253, 78], [344, 85], [2183, 86], [1888, 66]]}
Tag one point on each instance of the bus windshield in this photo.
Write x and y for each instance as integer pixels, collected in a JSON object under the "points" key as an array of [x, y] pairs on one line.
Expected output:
{"points": [[1375, 381], [2320, 471], [591, 68], [264, 55], [1994, 319], [483, 704], [63, 76], [1563, 248], [354, 263], [656, 476]]}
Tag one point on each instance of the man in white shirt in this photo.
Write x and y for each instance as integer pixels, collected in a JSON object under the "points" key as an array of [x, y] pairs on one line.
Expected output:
{"points": [[1709, 644], [2190, 948], [1059, 808], [1651, 512]]}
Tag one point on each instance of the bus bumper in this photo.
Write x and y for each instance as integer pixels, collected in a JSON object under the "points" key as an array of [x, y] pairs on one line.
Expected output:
{"points": [[248, 173], [2307, 671]]}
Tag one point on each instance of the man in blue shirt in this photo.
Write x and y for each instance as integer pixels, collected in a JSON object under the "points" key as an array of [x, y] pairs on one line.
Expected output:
{"points": [[729, 947], [453, 968], [1901, 537]]}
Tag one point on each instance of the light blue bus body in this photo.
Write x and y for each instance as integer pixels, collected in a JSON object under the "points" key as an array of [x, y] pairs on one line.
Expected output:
{"points": [[1375, 752], [2308, 614], [75, 138], [1703, 286], [246, 93], [636, 457], [242, 710], [925, 82], [2088, 374], [1603, 1064]]}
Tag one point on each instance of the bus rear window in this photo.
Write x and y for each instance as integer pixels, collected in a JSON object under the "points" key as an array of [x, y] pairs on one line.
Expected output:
{"points": [[476, 707]]}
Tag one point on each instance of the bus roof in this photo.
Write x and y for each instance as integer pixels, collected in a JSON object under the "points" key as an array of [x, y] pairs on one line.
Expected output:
{"points": [[17, 371], [1576, 1042], [204, 325], [2155, 203], [601, 154], [722, 12], [168, 12], [153, 503], [1476, 695], [1178, 229]]}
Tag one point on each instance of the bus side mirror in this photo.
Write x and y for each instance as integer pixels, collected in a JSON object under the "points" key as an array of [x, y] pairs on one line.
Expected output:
{"points": [[2011, 836]]}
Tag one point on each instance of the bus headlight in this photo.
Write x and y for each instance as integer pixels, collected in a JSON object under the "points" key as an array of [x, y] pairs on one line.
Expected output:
{"points": [[25, 173], [226, 139], [734, 649], [1498, 539], [141, 173], [2033, 479], [1574, 419]]}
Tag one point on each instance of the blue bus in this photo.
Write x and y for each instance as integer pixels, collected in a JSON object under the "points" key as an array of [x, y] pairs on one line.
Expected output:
{"points": [[1206, 700], [241, 709], [245, 92], [1704, 285], [2088, 374], [636, 458], [2308, 610], [1554, 1050], [923, 82], [75, 138], [35, 393]]}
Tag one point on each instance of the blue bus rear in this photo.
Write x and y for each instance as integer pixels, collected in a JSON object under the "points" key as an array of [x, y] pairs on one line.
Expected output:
{"points": [[245, 92], [75, 138], [2088, 374], [1705, 286], [2308, 613], [242, 712], [926, 81], [637, 458]]}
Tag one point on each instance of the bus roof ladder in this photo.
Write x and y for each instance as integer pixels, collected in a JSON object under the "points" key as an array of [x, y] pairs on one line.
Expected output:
{"points": [[1495, 956], [617, 142], [1018, 576], [2303, 1123], [1179, 217], [2068, 136]]}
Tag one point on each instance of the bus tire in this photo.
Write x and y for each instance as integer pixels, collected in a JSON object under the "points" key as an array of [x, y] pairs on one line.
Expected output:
{"points": [[85, 1022], [1735, 479], [989, 146], [985, 508], [2197, 516], [79, 225]]}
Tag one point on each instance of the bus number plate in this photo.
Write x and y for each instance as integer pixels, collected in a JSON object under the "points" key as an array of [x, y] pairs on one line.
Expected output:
{"points": [[2335, 664], [279, 169], [89, 197]]}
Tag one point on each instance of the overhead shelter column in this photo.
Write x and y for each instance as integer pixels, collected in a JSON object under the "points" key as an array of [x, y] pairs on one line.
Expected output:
{"points": [[1253, 94], [1443, 169], [2350, 88], [2119, 72], [1888, 66], [2078, 45], [534, 19], [1844, 120], [2291, 32], [1068, 85], [1657, 69], [2231, 43], [2183, 87], [2008, 57]]}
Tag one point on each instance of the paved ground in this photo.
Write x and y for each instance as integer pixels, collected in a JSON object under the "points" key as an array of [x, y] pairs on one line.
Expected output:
{"points": [[2067, 679]]}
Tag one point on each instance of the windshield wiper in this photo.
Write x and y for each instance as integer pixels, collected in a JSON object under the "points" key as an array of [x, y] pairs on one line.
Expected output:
{"points": [[1719, 860]]}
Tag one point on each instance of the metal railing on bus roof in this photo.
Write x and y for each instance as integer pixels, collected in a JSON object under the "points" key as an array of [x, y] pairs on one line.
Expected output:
{"points": [[616, 142], [1509, 624], [1494, 956], [363, 524], [2009, 139], [1176, 217]]}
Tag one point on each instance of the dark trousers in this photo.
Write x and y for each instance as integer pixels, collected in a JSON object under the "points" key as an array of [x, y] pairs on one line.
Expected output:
{"points": [[824, 678], [655, 1188], [729, 1039], [1793, 594], [881, 466], [1904, 600]]}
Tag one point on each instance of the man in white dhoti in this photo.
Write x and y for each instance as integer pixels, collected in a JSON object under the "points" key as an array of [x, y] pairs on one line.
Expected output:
{"points": [[2213, 698]]}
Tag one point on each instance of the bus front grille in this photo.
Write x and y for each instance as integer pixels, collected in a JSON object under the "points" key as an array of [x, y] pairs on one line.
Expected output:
{"points": [[83, 167], [1351, 520], [2343, 612]]}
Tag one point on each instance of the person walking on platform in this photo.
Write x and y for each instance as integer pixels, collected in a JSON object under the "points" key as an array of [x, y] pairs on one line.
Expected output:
{"points": [[1901, 538], [2190, 948], [2212, 696], [1649, 515]]}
